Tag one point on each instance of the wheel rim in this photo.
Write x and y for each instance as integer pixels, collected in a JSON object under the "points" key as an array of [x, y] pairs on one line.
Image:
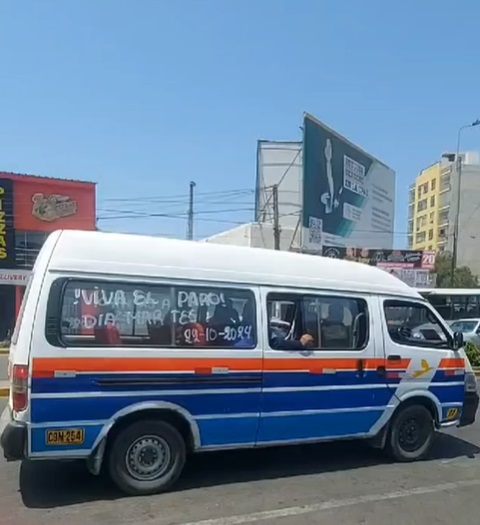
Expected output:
{"points": [[148, 458], [413, 433]]}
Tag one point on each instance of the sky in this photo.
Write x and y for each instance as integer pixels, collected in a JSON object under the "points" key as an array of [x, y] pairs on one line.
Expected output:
{"points": [[143, 96]]}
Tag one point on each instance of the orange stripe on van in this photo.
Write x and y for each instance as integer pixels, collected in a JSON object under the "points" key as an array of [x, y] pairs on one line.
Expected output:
{"points": [[457, 362], [315, 364], [42, 365], [46, 366]]}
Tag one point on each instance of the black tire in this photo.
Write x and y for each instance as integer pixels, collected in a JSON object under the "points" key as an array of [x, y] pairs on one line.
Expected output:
{"points": [[126, 462], [411, 434]]}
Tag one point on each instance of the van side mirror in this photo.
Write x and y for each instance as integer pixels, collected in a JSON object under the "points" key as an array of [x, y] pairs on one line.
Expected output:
{"points": [[458, 340]]}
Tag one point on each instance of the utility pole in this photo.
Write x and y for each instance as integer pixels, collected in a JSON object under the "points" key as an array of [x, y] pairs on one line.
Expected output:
{"points": [[190, 213], [276, 221]]}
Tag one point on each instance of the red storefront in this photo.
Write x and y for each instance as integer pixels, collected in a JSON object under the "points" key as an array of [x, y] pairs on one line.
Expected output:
{"points": [[31, 208]]}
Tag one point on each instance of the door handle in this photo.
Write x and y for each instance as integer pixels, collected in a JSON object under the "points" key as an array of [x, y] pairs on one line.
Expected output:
{"points": [[394, 358]]}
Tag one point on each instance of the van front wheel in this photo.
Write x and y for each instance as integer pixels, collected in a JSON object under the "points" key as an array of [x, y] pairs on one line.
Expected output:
{"points": [[411, 434], [147, 457]]}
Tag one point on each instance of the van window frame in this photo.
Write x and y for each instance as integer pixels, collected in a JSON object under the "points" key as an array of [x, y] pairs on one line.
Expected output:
{"points": [[420, 343], [298, 297], [55, 306]]}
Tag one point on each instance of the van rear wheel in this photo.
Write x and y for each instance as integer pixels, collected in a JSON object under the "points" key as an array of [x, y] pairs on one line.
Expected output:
{"points": [[147, 457], [411, 434]]}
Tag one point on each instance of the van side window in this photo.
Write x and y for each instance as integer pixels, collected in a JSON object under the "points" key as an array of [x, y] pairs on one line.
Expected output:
{"points": [[124, 314], [414, 324], [332, 322]]}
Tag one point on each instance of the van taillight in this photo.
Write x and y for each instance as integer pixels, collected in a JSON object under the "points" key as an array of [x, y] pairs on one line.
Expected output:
{"points": [[19, 386]]}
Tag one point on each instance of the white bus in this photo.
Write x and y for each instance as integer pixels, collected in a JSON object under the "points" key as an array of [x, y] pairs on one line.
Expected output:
{"points": [[454, 303]]}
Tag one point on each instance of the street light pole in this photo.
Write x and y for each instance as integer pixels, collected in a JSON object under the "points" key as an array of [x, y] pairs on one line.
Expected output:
{"points": [[458, 169]]}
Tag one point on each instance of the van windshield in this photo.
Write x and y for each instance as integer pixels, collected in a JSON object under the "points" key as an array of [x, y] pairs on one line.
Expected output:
{"points": [[20, 313]]}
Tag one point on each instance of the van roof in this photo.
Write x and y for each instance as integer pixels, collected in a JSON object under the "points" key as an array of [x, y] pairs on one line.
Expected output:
{"points": [[118, 254]]}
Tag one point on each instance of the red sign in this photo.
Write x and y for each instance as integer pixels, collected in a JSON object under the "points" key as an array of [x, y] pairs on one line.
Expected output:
{"points": [[52, 204]]}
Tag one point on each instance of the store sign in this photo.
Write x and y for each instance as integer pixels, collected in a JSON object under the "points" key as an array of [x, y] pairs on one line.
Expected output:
{"points": [[14, 277], [53, 207], [384, 258], [7, 234]]}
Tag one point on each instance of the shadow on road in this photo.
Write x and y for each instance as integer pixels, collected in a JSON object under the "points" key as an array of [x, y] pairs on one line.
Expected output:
{"points": [[54, 484]]}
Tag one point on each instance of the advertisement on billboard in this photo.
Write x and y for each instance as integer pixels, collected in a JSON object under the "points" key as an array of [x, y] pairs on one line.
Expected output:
{"points": [[348, 195], [406, 259], [48, 205], [7, 233], [413, 267]]}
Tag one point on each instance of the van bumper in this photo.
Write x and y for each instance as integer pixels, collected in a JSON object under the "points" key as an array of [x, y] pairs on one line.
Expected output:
{"points": [[13, 436], [469, 410]]}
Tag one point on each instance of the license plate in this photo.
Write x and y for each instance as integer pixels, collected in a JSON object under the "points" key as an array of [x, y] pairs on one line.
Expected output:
{"points": [[70, 436]]}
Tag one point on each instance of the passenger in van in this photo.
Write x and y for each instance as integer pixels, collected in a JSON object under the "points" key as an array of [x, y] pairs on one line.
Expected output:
{"points": [[191, 334], [225, 315], [247, 321], [159, 333], [277, 342], [107, 334], [334, 332]]}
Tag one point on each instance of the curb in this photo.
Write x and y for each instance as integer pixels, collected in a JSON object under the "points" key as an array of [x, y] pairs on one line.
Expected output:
{"points": [[4, 351]]}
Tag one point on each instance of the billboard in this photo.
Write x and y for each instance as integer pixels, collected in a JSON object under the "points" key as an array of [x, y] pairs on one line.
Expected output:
{"points": [[384, 258], [348, 195], [52, 204], [7, 233], [413, 267]]}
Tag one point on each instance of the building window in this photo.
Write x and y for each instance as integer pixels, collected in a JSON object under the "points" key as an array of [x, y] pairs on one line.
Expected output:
{"points": [[430, 235], [432, 217], [432, 201], [445, 183], [27, 246], [443, 218], [420, 237], [95, 313], [422, 205], [322, 322], [434, 184]]}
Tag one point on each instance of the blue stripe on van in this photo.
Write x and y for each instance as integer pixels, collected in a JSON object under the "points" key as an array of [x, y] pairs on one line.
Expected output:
{"points": [[448, 393], [326, 399], [103, 407], [293, 379], [231, 431], [159, 382], [300, 427], [138, 382]]}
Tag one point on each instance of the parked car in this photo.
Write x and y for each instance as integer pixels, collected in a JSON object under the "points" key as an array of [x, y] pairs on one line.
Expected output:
{"points": [[470, 329]]}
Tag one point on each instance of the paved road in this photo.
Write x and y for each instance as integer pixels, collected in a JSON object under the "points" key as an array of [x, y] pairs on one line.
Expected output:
{"points": [[328, 484]]}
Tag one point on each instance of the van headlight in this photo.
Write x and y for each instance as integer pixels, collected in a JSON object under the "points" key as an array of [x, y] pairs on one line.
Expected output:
{"points": [[470, 382]]}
